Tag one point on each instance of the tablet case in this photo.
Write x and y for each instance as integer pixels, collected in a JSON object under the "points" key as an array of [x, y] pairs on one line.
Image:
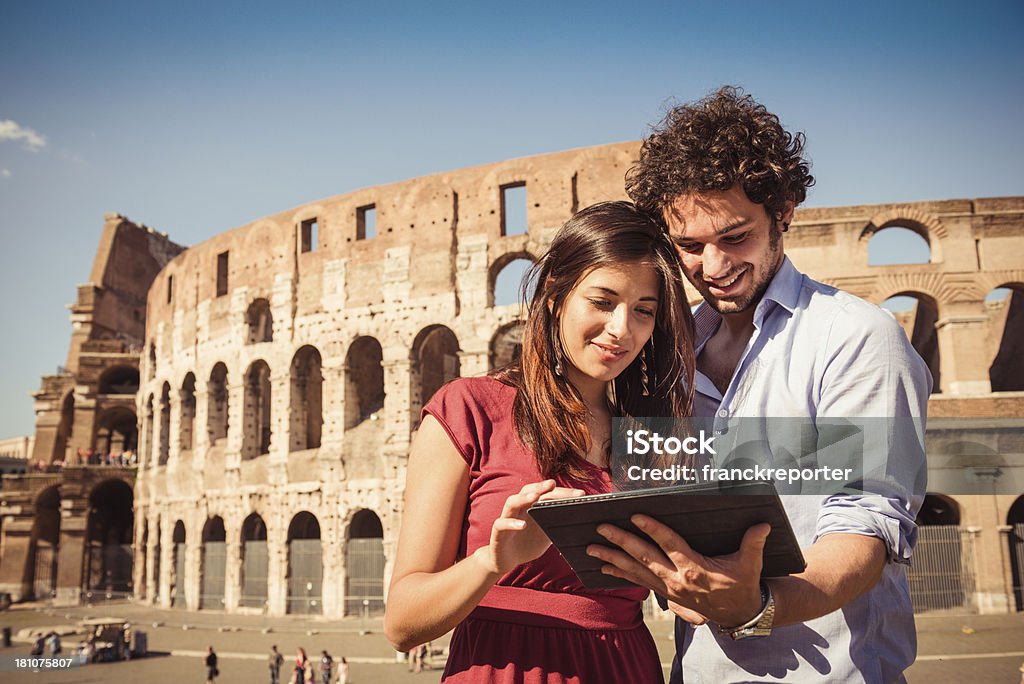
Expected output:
{"points": [[711, 518]]}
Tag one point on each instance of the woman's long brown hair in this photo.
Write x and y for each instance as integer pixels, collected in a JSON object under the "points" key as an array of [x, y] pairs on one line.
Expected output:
{"points": [[549, 413]]}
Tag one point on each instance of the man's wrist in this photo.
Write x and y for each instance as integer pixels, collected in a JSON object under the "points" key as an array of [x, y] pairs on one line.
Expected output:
{"points": [[761, 624]]}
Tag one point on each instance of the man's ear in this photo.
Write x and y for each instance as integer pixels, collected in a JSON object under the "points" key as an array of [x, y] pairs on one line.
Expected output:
{"points": [[786, 217]]}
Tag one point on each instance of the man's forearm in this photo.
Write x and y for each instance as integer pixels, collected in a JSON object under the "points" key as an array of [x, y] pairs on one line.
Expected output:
{"points": [[840, 567]]}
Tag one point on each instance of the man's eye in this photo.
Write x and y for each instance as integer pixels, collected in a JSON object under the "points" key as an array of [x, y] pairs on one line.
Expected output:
{"points": [[735, 239], [690, 247]]}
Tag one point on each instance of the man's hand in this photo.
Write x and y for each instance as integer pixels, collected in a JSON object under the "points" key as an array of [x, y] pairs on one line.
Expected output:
{"points": [[725, 589]]}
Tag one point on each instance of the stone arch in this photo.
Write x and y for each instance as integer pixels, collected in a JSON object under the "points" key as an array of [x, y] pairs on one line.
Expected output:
{"points": [[364, 381], [165, 423], [919, 325], [1006, 324], [45, 542], [305, 565], [434, 362], [259, 321], [178, 559], [364, 564], [497, 271], [254, 566], [938, 509], [187, 403], [256, 426], [928, 227], [119, 380], [897, 245], [305, 404], [116, 431], [217, 403], [148, 422], [65, 428], [506, 344], [213, 564], [109, 529]]}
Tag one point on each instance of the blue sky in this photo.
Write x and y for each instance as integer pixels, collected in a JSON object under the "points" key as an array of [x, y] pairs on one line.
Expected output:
{"points": [[198, 117]]}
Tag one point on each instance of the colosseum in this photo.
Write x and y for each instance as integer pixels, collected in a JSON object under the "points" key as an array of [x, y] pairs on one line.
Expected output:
{"points": [[285, 364]]}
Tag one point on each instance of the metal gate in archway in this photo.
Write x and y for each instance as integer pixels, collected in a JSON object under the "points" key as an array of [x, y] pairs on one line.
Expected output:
{"points": [[305, 576], [108, 571], [178, 597], [44, 580], [255, 568], [364, 570], [215, 559], [1016, 539], [942, 576]]}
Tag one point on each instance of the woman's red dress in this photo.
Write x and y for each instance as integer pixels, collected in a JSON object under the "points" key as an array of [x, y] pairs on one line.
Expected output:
{"points": [[538, 624]]}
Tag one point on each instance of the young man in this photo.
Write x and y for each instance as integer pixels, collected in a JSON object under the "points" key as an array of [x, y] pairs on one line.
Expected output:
{"points": [[725, 178]]}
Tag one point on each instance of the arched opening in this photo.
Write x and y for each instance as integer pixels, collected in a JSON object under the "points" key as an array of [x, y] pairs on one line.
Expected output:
{"points": [[178, 557], [1015, 519], [256, 411], [507, 345], [306, 400], [305, 565], [213, 564], [939, 579], [188, 412], [165, 423], [1004, 308], [260, 322], [917, 314], [119, 380], [895, 244], [116, 434], [64, 430], [147, 448], [507, 276], [364, 564], [108, 557], [255, 563], [435, 361], [217, 404], [364, 381], [45, 543]]}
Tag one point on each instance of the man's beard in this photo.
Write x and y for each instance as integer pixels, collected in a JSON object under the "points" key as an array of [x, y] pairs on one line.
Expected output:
{"points": [[762, 280]]}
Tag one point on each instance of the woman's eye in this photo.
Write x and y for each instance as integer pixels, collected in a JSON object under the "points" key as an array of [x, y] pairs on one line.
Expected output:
{"points": [[601, 303], [649, 313]]}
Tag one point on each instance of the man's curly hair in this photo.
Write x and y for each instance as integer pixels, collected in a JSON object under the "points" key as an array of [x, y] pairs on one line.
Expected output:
{"points": [[714, 143]]}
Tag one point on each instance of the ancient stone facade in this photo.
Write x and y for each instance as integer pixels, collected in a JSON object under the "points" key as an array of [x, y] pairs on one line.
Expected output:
{"points": [[66, 530], [287, 361]]}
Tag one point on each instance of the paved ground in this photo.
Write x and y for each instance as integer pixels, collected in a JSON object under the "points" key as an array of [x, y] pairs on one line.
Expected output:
{"points": [[953, 648]]}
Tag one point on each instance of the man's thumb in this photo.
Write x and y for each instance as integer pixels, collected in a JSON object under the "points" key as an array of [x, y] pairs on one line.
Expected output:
{"points": [[754, 539]]}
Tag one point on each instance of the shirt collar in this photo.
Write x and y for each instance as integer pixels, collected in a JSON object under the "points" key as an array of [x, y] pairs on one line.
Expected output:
{"points": [[783, 290]]}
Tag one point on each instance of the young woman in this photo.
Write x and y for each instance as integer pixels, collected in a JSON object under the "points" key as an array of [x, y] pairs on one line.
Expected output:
{"points": [[608, 333]]}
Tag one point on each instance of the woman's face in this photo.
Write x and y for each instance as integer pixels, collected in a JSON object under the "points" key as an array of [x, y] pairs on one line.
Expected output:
{"points": [[606, 320]]}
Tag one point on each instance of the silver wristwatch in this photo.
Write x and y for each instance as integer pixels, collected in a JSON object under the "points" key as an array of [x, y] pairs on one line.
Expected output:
{"points": [[761, 624]]}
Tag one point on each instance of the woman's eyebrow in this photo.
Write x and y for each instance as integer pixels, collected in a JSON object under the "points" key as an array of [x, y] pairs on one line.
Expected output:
{"points": [[612, 293]]}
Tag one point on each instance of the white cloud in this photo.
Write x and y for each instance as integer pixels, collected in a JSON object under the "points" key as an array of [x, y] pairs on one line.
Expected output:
{"points": [[6, 173], [10, 130]]}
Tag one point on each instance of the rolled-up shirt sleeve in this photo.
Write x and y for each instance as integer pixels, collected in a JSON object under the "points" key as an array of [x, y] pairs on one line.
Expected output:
{"points": [[876, 380]]}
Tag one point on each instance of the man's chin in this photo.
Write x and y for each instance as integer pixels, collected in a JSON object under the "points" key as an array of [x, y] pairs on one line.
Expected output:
{"points": [[729, 306]]}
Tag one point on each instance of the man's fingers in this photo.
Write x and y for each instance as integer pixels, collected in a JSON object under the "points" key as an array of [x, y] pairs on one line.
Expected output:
{"points": [[674, 546], [620, 564], [648, 555], [688, 615], [753, 542]]}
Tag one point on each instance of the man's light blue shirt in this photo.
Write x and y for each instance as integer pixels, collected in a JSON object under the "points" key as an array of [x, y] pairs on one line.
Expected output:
{"points": [[820, 353]]}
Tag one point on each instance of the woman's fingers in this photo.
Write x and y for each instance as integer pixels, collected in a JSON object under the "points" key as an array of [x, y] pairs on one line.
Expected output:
{"points": [[562, 493]]}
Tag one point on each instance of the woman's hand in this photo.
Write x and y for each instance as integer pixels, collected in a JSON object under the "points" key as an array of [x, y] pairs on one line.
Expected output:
{"points": [[515, 537]]}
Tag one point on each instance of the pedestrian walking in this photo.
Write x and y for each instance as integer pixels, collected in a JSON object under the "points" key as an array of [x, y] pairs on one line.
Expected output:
{"points": [[299, 675], [326, 667], [274, 661], [211, 667], [343, 671]]}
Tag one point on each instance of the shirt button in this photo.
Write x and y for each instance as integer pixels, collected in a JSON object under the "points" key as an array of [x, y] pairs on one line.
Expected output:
{"points": [[723, 413]]}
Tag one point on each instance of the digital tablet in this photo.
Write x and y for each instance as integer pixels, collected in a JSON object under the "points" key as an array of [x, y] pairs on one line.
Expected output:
{"points": [[711, 518]]}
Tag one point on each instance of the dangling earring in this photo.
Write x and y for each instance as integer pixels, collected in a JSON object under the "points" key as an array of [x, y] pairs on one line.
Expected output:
{"points": [[556, 349], [645, 381]]}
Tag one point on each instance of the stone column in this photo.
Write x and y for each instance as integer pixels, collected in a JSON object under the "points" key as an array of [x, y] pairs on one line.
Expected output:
{"points": [[233, 550], [963, 363], [166, 562], [277, 569], [15, 571], [140, 559], [71, 557]]}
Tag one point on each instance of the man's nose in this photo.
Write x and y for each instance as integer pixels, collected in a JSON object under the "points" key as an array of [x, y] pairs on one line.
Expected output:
{"points": [[714, 262]]}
